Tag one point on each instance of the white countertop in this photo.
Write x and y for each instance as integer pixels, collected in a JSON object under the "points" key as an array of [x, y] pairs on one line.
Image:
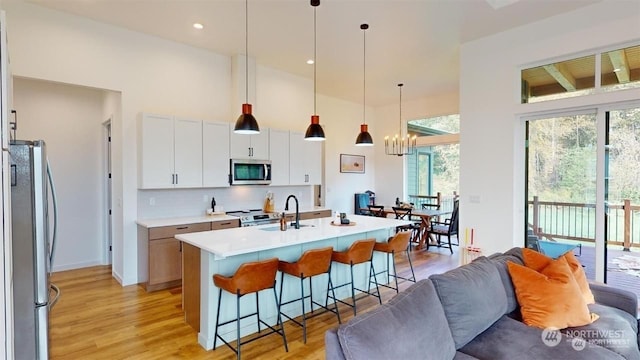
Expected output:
{"points": [[150, 223], [244, 240], [174, 221]]}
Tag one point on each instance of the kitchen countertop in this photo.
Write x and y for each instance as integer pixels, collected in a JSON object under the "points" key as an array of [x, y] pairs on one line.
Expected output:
{"points": [[244, 240], [174, 221], [150, 223]]}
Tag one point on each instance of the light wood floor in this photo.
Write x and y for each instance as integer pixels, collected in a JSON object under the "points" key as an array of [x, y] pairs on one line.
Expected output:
{"points": [[96, 318]]}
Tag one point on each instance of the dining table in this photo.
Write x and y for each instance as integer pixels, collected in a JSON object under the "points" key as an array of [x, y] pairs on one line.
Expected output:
{"points": [[425, 216]]}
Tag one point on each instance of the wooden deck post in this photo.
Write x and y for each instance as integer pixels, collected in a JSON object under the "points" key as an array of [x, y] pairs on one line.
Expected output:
{"points": [[536, 216], [627, 225]]}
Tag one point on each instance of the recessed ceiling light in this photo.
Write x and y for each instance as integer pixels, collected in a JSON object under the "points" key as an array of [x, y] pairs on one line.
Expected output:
{"points": [[198, 26], [617, 69], [310, 61]]}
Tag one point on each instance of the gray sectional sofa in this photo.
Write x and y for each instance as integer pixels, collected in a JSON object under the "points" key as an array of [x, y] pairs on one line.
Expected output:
{"points": [[471, 312]]}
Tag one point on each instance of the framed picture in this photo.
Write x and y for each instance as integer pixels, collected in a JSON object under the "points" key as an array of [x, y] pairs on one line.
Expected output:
{"points": [[352, 163]]}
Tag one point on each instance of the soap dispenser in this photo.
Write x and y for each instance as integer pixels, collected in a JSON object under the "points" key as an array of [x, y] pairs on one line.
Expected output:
{"points": [[283, 222]]}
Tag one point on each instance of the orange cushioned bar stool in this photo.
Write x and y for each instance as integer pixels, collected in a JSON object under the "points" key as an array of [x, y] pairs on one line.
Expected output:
{"points": [[396, 244], [251, 277], [311, 263], [359, 252]]}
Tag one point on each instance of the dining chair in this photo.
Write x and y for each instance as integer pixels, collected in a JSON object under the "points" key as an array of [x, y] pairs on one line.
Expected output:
{"points": [[403, 213], [448, 228], [376, 210]]}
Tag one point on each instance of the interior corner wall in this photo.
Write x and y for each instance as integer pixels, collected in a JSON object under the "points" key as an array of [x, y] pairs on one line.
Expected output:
{"points": [[492, 134], [390, 183]]}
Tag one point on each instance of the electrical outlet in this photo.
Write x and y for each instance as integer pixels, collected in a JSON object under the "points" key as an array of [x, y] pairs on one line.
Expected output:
{"points": [[152, 201], [475, 199]]}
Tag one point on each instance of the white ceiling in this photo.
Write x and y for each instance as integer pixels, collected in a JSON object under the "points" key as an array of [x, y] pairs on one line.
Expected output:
{"points": [[411, 41]]}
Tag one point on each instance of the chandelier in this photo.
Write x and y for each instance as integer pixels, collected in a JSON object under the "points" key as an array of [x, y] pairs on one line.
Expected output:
{"points": [[400, 145]]}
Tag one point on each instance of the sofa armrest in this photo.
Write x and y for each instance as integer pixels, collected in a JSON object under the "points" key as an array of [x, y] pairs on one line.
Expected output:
{"points": [[614, 297], [333, 349]]}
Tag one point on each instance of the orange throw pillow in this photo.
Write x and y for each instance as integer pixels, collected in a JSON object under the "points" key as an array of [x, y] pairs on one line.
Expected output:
{"points": [[551, 297], [537, 261]]}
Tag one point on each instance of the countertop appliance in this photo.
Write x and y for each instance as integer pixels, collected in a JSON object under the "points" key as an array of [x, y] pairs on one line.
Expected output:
{"points": [[255, 217], [249, 172], [32, 248]]}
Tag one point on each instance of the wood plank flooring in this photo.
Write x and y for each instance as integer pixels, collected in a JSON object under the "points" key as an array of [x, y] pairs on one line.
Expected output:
{"points": [[96, 318]]}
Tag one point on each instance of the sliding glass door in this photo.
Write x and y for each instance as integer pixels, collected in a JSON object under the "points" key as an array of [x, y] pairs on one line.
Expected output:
{"points": [[583, 190]]}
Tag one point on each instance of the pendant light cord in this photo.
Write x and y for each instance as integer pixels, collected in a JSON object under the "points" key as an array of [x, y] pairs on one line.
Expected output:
{"points": [[364, 72], [246, 51], [315, 59]]}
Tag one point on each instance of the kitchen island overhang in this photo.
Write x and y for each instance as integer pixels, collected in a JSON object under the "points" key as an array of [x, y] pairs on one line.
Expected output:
{"points": [[223, 251]]}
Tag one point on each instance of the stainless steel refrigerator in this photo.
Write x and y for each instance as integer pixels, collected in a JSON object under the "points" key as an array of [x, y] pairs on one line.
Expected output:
{"points": [[33, 244]]}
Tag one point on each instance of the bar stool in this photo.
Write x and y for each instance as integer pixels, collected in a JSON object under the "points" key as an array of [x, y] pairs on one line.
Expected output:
{"points": [[395, 244], [311, 263], [359, 252], [251, 277]]}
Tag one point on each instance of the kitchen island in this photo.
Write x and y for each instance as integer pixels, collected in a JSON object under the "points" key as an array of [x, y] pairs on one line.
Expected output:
{"points": [[223, 251]]}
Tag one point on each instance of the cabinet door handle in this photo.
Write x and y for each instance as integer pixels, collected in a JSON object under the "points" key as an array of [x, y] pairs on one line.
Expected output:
{"points": [[226, 223], [182, 227], [176, 179], [180, 246], [173, 179]]}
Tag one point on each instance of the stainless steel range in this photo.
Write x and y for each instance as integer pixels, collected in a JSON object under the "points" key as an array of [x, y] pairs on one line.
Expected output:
{"points": [[255, 217]]}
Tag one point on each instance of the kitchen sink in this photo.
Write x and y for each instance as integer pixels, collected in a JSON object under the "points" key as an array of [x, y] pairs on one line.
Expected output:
{"points": [[289, 227]]}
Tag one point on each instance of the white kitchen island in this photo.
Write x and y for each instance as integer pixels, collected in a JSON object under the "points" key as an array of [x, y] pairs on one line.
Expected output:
{"points": [[223, 251]]}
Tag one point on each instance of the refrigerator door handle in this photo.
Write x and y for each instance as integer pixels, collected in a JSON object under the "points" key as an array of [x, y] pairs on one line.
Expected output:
{"points": [[54, 199], [41, 245]]}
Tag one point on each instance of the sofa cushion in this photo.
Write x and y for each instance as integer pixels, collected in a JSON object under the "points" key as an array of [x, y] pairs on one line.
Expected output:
{"points": [[550, 298], [615, 330], [510, 339], [538, 261], [409, 326], [473, 298], [500, 261]]}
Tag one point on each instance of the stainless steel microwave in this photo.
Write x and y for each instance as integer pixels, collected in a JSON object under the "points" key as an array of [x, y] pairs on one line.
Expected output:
{"points": [[250, 172]]}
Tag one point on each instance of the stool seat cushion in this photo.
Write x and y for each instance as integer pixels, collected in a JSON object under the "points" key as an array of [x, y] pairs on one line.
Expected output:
{"points": [[311, 263], [360, 251], [249, 278]]}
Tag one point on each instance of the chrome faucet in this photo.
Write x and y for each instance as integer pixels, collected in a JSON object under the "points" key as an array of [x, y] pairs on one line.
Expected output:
{"points": [[295, 224]]}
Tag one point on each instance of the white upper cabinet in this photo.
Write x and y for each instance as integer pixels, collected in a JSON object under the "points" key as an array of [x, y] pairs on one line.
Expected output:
{"points": [[215, 154], [249, 146], [279, 156], [170, 152], [187, 152], [305, 160]]}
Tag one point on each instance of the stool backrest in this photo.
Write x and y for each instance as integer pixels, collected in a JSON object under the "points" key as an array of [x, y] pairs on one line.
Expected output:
{"points": [[361, 250], [400, 241], [316, 261], [255, 276]]}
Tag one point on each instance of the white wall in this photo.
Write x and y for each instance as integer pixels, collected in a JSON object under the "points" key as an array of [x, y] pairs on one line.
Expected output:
{"points": [[69, 119], [492, 135], [159, 76]]}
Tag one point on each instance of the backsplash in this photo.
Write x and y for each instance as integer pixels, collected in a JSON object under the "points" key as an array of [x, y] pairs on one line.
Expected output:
{"points": [[194, 202]]}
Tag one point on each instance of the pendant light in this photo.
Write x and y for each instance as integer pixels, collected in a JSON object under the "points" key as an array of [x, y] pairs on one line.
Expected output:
{"points": [[246, 123], [314, 131], [400, 145], [364, 138]]}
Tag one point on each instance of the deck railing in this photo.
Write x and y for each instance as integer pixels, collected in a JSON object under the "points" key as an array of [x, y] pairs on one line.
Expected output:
{"points": [[439, 201], [576, 221]]}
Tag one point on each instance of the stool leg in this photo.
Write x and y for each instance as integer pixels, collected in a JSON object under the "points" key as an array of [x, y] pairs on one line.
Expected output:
{"points": [[353, 291], [304, 318], [394, 269], [238, 324], [258, 310], [311, 294], [395, 273], [413, 275], [280, 299], [335, 303], [373, 271], [215, 337], [284, 337]]}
